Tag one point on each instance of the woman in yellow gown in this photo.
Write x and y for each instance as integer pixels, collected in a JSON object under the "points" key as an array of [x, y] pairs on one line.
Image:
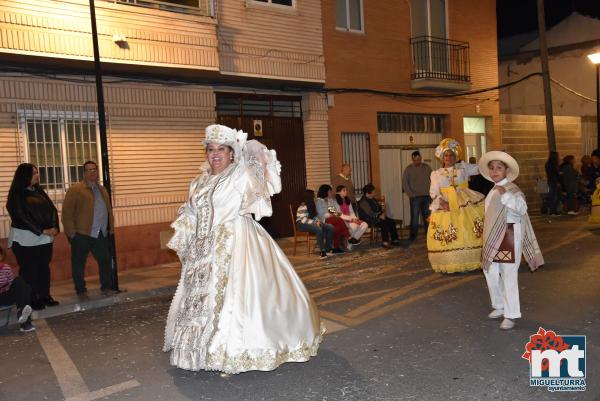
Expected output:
{"points": [[454, 236]]}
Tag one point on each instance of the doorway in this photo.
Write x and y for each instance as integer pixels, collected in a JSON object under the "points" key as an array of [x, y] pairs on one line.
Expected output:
{"points": [[275, 121]]}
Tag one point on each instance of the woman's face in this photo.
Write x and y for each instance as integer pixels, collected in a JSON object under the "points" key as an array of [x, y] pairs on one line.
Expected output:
{"points": [[343, 192], [219, 157], [35, 178], [449, 158], [330, 193]]}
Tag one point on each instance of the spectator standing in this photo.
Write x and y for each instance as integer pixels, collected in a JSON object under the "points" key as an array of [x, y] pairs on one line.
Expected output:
{"points": [[344, 179], [88, 220], [14, 290], [553, 177], [34, 224], [415, 184], [308, 220], [568, 182], [478, 182], [373, 213]]}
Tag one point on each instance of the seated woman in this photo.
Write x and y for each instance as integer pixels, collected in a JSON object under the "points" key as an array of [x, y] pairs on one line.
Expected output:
{"points": [[308, 220], [326, 211], [356, 226], [14, 290], [373, 213]]}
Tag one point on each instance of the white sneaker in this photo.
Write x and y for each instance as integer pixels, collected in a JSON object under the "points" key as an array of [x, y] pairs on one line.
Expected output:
{"points": [[507, 324], [496, 313], [25, 313]]}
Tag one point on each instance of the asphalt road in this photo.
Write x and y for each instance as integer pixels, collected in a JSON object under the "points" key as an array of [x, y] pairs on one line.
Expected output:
{"points": [[398, 332]]}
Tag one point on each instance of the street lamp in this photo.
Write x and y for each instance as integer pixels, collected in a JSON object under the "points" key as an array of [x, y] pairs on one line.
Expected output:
{"points": [[595, 59]]}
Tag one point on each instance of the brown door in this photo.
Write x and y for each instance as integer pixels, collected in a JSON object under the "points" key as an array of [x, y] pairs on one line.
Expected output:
{"points": [[282, 130]]}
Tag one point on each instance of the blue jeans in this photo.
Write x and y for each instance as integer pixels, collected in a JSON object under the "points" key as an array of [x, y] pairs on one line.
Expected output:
{"points": [[419, 206], [324, 233]]}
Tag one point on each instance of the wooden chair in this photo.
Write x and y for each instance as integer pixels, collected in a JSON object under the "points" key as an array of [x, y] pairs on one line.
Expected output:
{"points": [[375, 234], [300, 236]]}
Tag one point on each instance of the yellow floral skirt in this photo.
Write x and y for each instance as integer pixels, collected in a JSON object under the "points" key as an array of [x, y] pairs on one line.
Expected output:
{"points": [[454, 238], [595, 216]]}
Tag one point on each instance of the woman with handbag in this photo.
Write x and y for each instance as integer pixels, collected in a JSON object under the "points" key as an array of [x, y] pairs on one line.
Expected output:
{"points": [[507, 235]]}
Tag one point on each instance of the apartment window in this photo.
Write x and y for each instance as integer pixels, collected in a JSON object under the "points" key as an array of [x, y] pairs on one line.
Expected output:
{"points": [[289, 3], [428, 18], [406, 122], [349, 15], [356, 151], [58, 143]]}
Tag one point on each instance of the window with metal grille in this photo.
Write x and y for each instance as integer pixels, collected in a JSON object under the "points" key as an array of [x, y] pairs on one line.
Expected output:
{"points": [[228, 105], [58, 143], [404, 122], [356, 151]]}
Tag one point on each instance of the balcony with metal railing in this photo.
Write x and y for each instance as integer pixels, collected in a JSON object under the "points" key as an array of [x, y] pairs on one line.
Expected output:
{"points": [[194, 7], [440, 64]]}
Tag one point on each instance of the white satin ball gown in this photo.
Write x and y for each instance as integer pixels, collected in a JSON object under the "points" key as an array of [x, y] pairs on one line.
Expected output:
{"points": [[239, 305]]}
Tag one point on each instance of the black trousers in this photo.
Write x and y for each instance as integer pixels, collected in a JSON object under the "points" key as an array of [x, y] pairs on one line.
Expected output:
{"points": [[34, 267], [388, 229], [81, 245], [18, 294]]}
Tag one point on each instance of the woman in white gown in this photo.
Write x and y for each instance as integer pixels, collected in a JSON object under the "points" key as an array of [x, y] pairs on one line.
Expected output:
{"points": [[239, 305]]}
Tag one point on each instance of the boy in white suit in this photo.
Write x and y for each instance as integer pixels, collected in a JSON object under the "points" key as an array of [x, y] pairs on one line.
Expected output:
{"points": [[507, 235]]}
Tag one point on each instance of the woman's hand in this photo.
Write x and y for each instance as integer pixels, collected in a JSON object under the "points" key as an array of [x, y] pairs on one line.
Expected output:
{"points": [[50, 231]]}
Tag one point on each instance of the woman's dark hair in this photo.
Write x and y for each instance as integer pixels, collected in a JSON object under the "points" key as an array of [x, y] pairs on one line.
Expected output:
{"points": [[323, 191], [2, 254], [367, 189], [309, 201], [339, 199], [22, 179], [568, 159]]}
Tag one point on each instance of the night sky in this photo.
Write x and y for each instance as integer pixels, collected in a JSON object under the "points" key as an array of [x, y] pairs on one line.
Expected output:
{"points": [[520, 16]]}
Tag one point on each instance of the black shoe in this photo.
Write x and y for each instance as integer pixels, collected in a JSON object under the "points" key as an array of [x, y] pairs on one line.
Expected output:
{"points": [[38, 305], [354, 241], [49, 301], [323, 255], [337, 251], [27, 327]]}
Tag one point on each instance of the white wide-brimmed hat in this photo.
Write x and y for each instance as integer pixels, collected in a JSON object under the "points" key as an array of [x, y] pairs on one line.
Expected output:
{"points": [[508, 160]]}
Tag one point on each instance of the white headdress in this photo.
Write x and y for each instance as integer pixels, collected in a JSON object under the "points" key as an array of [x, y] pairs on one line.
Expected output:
{"points": [[224, 135]]}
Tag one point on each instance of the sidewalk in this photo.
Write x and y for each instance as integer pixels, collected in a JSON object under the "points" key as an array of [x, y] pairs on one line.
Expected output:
{"points": [[144, 282]]}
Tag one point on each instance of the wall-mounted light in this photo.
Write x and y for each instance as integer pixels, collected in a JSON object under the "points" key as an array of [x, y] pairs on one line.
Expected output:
{"points": [[118, 39]]}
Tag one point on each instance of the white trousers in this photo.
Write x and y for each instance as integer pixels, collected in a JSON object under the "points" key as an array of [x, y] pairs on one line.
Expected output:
{"points": [[356, 231], [503, 282]]}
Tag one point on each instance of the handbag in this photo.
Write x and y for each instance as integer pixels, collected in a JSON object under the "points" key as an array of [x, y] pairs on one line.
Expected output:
{"points": [[542, 187], [506, 250]]}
